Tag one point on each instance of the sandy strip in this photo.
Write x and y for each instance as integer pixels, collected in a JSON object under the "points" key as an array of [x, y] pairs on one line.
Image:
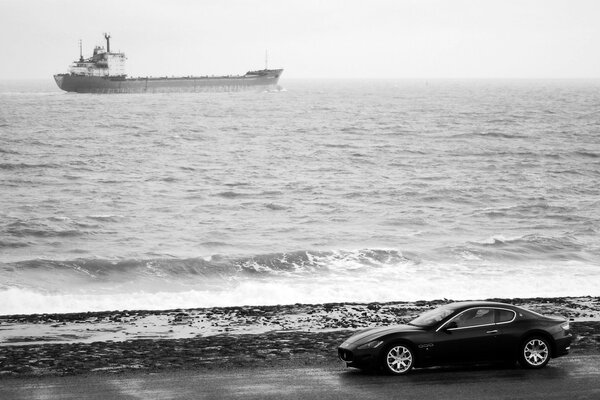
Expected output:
{"points": [[59, 344]]}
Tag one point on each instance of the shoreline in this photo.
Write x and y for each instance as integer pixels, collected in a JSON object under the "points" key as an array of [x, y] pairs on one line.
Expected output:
{"points": [[226, 337]]}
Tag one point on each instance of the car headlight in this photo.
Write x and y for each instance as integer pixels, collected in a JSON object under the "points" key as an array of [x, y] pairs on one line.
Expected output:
{"points": [[565, 326], [371, 345]]}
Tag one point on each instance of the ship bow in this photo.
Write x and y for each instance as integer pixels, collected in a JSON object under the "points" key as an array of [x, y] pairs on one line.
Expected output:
{"points": [[59, 80]]}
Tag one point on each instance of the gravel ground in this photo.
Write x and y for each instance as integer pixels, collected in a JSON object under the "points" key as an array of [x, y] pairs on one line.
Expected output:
{"points": [[226, 338]]}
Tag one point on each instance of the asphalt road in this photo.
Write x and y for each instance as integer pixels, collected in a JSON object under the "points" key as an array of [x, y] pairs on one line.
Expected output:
{"points": [[564, 378]]}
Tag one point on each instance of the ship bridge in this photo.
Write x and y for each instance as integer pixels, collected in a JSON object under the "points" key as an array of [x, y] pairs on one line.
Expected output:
{"points": [[102, 63]]}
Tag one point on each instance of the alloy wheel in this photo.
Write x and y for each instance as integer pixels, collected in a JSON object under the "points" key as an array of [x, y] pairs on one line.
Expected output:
{"points": [[536, 352], [399, 359]]}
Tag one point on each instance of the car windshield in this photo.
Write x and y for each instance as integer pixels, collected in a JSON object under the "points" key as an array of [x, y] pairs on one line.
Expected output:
{"points": [[432, 317]]}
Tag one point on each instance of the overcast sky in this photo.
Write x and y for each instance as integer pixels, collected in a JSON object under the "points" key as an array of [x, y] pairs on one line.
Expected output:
{"points": [[309, 38]]}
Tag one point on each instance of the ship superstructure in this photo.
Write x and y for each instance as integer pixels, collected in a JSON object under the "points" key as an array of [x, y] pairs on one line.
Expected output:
{"points": [[104, 72], [101, 63]]}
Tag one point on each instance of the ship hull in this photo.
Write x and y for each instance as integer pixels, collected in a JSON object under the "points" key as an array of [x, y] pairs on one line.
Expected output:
{"points": [[266, 79]]}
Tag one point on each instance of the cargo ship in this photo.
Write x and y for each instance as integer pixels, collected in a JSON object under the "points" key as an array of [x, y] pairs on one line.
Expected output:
{"points": [[104, 72]]}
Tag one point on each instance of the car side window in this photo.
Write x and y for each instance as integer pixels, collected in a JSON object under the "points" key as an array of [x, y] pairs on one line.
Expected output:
{"points": [[504, 316], [475, 317]]}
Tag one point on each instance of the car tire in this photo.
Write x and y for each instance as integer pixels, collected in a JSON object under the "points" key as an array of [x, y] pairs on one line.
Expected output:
{"points": [[398, 359], [534, 352]]}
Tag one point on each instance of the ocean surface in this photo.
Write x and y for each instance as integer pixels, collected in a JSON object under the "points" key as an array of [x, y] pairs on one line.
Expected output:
{"points": [[324, 191]]}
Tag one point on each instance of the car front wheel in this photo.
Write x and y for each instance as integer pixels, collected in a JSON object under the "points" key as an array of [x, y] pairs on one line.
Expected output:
{"points": [[398, 359], [534, 353]]}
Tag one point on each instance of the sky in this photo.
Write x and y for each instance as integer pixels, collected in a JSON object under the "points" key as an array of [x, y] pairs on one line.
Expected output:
{"points": [[387, 39]]}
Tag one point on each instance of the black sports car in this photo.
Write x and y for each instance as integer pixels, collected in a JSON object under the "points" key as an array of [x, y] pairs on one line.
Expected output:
{"points": [[456, 333]]}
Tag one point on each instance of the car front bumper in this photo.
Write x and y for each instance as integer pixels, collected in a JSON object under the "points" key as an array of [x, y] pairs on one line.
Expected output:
{"points": [[358, 358]]}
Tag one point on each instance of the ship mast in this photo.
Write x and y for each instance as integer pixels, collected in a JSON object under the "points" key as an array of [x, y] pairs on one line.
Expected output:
{"points": [[266, 59], [107, 37], [80, 52]]}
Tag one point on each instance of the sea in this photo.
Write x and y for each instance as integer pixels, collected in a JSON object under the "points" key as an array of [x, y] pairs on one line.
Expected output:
{"points": [[320, 191]]}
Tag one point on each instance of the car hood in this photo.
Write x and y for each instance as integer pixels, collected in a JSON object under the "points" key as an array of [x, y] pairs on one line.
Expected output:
{"points": [[367, 335]]}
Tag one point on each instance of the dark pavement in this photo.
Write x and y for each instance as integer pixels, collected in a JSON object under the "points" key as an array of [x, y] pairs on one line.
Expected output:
{"points": [[571, 377]]}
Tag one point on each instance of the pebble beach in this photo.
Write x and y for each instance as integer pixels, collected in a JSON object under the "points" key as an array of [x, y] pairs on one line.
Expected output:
{"points": [[228, 337]]}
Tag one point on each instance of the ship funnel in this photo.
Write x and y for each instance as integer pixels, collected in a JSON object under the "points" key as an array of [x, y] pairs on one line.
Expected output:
{"points": [[107, 37]]}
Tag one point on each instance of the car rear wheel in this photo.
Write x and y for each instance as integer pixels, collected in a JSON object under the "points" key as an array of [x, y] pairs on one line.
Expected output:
{"points": [[398, 359], [534, 353]]}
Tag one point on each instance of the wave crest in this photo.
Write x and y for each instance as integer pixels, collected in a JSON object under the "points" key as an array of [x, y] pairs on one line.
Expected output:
{"points": [[299, 263]]}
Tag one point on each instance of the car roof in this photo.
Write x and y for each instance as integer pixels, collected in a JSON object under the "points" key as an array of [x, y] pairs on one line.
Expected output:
{"points": [[469, 304]]}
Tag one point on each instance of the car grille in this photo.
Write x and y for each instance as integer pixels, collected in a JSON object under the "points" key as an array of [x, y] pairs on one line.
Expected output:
{"points": [[345, 355]]}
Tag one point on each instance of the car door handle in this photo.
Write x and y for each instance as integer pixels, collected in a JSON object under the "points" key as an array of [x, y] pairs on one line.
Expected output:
{"points": [[493, 331]]}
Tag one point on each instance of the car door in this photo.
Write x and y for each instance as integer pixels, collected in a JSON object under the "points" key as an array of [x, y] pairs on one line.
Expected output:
{"points": [[468, 337], [507, 334]]}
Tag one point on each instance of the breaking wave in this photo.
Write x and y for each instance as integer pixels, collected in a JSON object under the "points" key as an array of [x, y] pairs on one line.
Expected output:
{"points": [[299, 263], [368, 275]]}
